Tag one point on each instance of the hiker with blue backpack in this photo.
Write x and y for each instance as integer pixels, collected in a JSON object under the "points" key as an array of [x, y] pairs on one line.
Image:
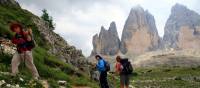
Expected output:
{"points": [[124, 69], [103, 67]]}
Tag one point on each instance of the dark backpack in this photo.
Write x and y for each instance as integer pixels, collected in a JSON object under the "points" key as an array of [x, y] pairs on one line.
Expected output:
{"points": [[31, 43], [127, 67], [107, 65], [34, 44]]}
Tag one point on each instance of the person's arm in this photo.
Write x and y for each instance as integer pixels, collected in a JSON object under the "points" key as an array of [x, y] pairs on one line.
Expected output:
{"points": [[29, 38], [100, 65], [18, 40], [117, 68], [30, 31]]}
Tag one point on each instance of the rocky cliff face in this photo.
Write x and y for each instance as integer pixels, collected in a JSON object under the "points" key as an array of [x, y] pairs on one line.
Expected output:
{"points": [[59, 46], [182, 30], [107, 42], [139, 33], [9, 3]]}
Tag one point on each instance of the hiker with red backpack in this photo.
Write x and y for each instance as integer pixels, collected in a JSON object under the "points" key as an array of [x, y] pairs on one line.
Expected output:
{"points": [[25, 43], [123, 68], [103, 67]]}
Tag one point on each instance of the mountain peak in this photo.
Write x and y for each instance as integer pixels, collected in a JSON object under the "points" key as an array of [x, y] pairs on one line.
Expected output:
{"points": [[113, 27], [139, 26], [179, 8], [108, 41], [112, 24], [137, 8], [103, 30], [181, 17]]}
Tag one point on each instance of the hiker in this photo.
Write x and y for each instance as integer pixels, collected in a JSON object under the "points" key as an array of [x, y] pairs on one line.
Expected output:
{"points": [[24, 43], [124, 69], [101, 66]]}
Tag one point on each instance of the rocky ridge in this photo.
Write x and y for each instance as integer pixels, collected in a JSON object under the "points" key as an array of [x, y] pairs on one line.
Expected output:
{"points": [[58, 46], [182, 30], [140, 33], [107, 42], [9, 3]]}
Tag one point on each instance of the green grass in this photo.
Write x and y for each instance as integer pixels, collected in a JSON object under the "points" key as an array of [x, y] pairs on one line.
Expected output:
{"points": [[168, 77], [5, 62], [50, 68], [26, 82]]}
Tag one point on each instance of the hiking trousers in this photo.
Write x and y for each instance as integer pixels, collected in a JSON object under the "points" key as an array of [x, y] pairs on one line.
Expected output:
{"points": [[27, 58], [103, 80]]}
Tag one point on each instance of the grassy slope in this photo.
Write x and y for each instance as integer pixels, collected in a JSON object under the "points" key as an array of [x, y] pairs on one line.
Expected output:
{"points": [[176, 77], [165, 77], [49, 66]]}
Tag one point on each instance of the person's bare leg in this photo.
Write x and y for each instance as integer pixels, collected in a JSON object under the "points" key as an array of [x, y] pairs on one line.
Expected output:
{"points": [[127, 86], [121, 86], [121, 81]]}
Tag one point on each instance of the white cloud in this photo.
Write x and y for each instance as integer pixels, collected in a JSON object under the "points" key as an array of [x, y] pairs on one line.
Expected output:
{"points": [[82, 25]]}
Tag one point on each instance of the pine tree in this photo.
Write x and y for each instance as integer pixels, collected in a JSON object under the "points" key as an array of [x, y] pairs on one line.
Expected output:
{"points": [[45, 16]]}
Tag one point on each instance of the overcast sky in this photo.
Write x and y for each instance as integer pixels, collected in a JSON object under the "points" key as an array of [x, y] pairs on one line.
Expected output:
{"points": [[78, 20]]}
